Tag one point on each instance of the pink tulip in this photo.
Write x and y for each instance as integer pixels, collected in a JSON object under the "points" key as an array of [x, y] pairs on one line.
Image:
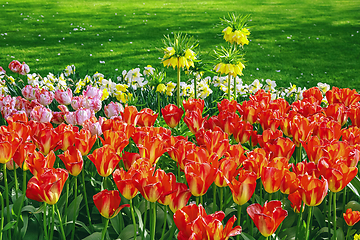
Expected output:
{"points": [[92, 92], [113, 109], [29, 92], [44, 97], [77, 102], [94, 104], [41, 114], [2, 70], [15, 66], [24, 69], [63, 97]]}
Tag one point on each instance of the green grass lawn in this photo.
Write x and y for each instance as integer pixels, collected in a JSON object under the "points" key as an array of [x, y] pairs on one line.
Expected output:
{"points": [[302, 42]]}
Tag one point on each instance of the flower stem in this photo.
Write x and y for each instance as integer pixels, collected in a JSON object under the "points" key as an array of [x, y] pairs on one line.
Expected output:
{"points": [[66, 200], [201, 200], [145, 218], [235, 97], [86, 201], [153, 224], [221, 198], [229, 85], [16, 180], [52, 222], [104, 230], [60, 221], [334, 213], [158, 102], [298, 225], [347, 233], [164, 226], [195, 83], [22, 200], [178, 82], [214, 197], [2, 216], [74, 211], [44, 223], [308, 223], [239, 219], [7, 198], [133, 217], [298, 154], [329, 215]]}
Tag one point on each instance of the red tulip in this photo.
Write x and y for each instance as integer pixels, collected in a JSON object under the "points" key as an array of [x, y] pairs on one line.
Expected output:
{"points": [[244, 187], [124, 182], [267, 218], [146, 118], [295, 199], [84, 141], [47, 186], [193, 223], [118, 140], [73, 160], [108, 203], [172, 115], [351, 217], [129, 114], [105, 160], [226, 105], [199, 177], [149, 183], [312, 190], [37, 163], [194, 105]]}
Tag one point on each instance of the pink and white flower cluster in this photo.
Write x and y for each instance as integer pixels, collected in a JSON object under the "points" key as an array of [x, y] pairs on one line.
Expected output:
{"points": [[16, 67]]}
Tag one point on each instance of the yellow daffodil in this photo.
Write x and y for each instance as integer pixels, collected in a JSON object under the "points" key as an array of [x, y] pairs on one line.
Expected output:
{"points": [[105, 94], [161, 88]]}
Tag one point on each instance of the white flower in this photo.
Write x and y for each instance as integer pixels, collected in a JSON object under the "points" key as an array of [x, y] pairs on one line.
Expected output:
{"points": [[324, 87], [270, 85]]}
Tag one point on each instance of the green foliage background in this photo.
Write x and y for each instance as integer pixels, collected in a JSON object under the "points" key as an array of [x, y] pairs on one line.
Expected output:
{"points": [[302, 42]]}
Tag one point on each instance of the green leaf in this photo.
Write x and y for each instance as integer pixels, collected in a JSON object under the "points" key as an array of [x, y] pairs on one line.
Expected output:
{"points": [[319, 217], [94, 236], [127, 233], [354, 185], [246, 236], [9, 225], [141, 224], [23, 230], [340, 234], [83, 225]]}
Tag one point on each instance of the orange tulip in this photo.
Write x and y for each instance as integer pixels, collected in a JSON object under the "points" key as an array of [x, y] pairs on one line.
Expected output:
{"points": [[337, 112], [118, 140], [344, 95], [84, 141], [244, 187], [66, 135], [180, 197], [216, 142], [149, 183], [237, 153], [226, 105], [108, 203], [269, 119], [280, 147], [47, 186], [193, 223], [313, 149], [301, 129], [73, 160], [329, 130], [152, 148], [228, 121], [199, 177], [129, 158], [194, 105], [226, 171], [289, 183], [256, 161], [8, 147], [313, 92], [172, 115], [146, 117], [124, 183], [267, 218], [37, 163], [46, 140], [193, 120], [129, 114], [351, 135], [105, 160], [22, 153], [271, 178], [351, 217], [295, 199], [243, 131], [339, 175], [312, 189]]}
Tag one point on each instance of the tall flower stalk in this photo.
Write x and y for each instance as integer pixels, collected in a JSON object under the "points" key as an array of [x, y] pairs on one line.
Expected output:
{"points": [[179, 53]]}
